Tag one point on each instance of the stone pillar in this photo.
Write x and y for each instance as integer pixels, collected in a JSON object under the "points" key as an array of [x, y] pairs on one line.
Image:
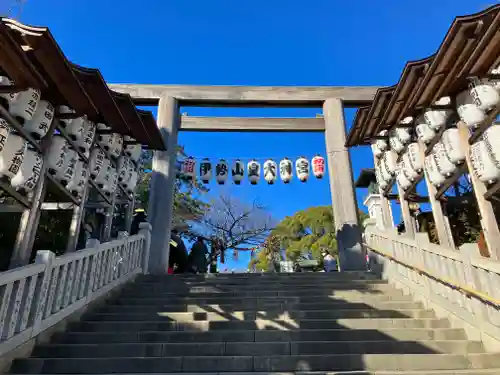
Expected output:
{"points": [[345, 209], [162, 186]]}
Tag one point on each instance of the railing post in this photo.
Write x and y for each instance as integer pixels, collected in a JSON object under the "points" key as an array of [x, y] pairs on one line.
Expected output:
{"points": [[47, 258], [145, 230]]}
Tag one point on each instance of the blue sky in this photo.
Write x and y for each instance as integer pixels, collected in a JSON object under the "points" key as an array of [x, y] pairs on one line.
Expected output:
{"points": [[257, 42]]}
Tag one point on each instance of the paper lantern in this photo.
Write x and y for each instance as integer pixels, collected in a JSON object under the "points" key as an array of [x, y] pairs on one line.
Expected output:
{"points": [[28, 175], [12, 150], [105, 141], [423, 130], [104, 175], [376, 151], [398, 138], [85, 142], [491, 138], [444, 164], [401, 177], [21, 105], [238, 171], [77, 184], [57, 154], [123, 164], [302, 169], [134, 151], [129, 173], [67, 172], [318, 166], [286, 170], [97, 157], [384, 169], [110, 181], [432, 171], [390, 162], [116, 145], [253, 171], [40, 123], [381, 180], [452, 145], [270, 171], [73, 127], [205, 170], [189, 168], [114, 180], [382, 143], [132, 183], [437, 118], [484, 167], [413, 161], [221, 172]]}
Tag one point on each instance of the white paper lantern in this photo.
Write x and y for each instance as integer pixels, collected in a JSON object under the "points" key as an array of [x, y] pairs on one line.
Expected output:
{"points": [[431, 169], [401, 176], [205, 170], [302, 169], [129, 173], [491, 138], [484, 167], [437, 118], [473, 103], [444, 164], [22, 105], [270, 171], [390, 162], [114, 180], [452, 146], [318, 166], [96, 163], [57, 154], [376, 151], [77, 184], [413, 161], [286, 170], [384, 170], [110, 181], [189, 168], [28, 175], [73, 127], [381, 180], [116, 145], [104, 175], [40, 123], [398, 138], [85, 142], [423, 130], [221, 172], [105, 141], [238, 171], [133, 151], [67, 172], [123, 165], [382, 143], [253, 171], [132, 183]]}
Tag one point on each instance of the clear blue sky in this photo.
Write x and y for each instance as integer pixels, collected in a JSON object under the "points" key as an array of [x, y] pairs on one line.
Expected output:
{"points": [[257, 42]]}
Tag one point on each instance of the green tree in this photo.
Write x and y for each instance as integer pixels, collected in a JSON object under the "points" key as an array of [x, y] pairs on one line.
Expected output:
{"points": [[269, 252]]}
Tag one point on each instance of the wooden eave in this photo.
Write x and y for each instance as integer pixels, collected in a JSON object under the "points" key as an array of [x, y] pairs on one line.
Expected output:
{"points": [[131, 115], [15, 64], [377, 110], [44, 53], [462, 39], [149, 122], [353, 138]]}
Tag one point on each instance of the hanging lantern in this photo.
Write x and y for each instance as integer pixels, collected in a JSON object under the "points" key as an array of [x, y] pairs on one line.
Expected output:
{"points": [[85, 142], [132, 183], [286, 170], [401, 176], [105, 141], [253, 171], [74, 127], [390, 162], [29, 173], [221, 171], [66, 173], [238, 171], [491, 138], [116, 145], [22, 105], [77, 184], [437, 118], [423, 130], [123, 164], [57, 153], [444, 164], [96, 162], [188, 168], [381, 180], [40, 123], [302, 169], [127, 179], [110, 181], [376, 151], [413, 161], [382, 143], [398, 138], [453, 148], [484, 167], [318, 166], [270, 171], [205, 170], [104, 175], [432, 171]]}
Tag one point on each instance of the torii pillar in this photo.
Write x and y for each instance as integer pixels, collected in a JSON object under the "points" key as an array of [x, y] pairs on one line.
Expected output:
{"points": [[345, 209]]}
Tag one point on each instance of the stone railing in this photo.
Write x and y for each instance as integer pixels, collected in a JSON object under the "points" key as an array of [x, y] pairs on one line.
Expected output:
{"points": [[36, 297], [457, 285]]}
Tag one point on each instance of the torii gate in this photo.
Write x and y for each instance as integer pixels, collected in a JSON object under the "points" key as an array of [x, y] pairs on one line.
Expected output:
{"points": [[169, 98]]}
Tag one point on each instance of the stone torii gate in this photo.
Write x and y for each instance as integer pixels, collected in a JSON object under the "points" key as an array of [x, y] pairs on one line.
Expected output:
{"points": [[170, 98]]}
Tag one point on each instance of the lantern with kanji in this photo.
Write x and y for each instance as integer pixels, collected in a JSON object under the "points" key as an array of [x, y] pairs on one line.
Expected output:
{"points": [[238, 171], [111, 180], [132, 183], [286, 170], [77, 184], [96, 162], [270, 171], [473, 103], [302, 168], [21, 105], [27, 177], [318, 166], [105, 173], [221, 172], [57, 154], [483, 164], [74, 127], [132, 149], [116, 145], [205, 170], [188, 168], [85, 142], [67, 172], [40, 123], [253, 171]]}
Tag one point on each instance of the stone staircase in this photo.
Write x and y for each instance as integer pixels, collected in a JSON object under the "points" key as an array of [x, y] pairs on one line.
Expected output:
{"points": [[342, 323]]}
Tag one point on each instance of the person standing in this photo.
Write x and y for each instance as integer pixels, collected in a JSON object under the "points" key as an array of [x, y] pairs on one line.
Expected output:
{"points": [[198, 256]]}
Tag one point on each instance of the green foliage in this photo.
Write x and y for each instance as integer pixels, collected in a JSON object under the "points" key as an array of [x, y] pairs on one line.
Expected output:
{"points": [[269, 252]]}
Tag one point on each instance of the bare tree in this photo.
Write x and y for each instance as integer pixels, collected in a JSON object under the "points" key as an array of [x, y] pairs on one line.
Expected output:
{"points": [[237, 223]]}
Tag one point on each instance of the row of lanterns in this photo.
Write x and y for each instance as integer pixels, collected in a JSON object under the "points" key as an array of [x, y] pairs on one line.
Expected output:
{"points": [[253, 170], [21, 164]]}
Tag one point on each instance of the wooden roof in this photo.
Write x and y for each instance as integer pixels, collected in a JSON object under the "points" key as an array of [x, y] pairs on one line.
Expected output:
{"points": [[471, 47], [32, 58]]}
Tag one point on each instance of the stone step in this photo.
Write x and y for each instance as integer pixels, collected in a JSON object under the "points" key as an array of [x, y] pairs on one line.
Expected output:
{"points": [[332, 362], [303, 283], [260, 324], [252, 315], [255, 348], [339, 334], [318, 277], [284, 275], [258, 305]]}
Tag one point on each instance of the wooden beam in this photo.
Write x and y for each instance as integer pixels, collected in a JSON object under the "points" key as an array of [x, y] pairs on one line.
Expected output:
{"points": [[192, 123], [249, 96]]}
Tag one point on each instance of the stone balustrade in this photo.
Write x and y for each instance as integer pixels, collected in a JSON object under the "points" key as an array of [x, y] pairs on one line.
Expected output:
{"points": [[456, 283], [34, 298]]}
